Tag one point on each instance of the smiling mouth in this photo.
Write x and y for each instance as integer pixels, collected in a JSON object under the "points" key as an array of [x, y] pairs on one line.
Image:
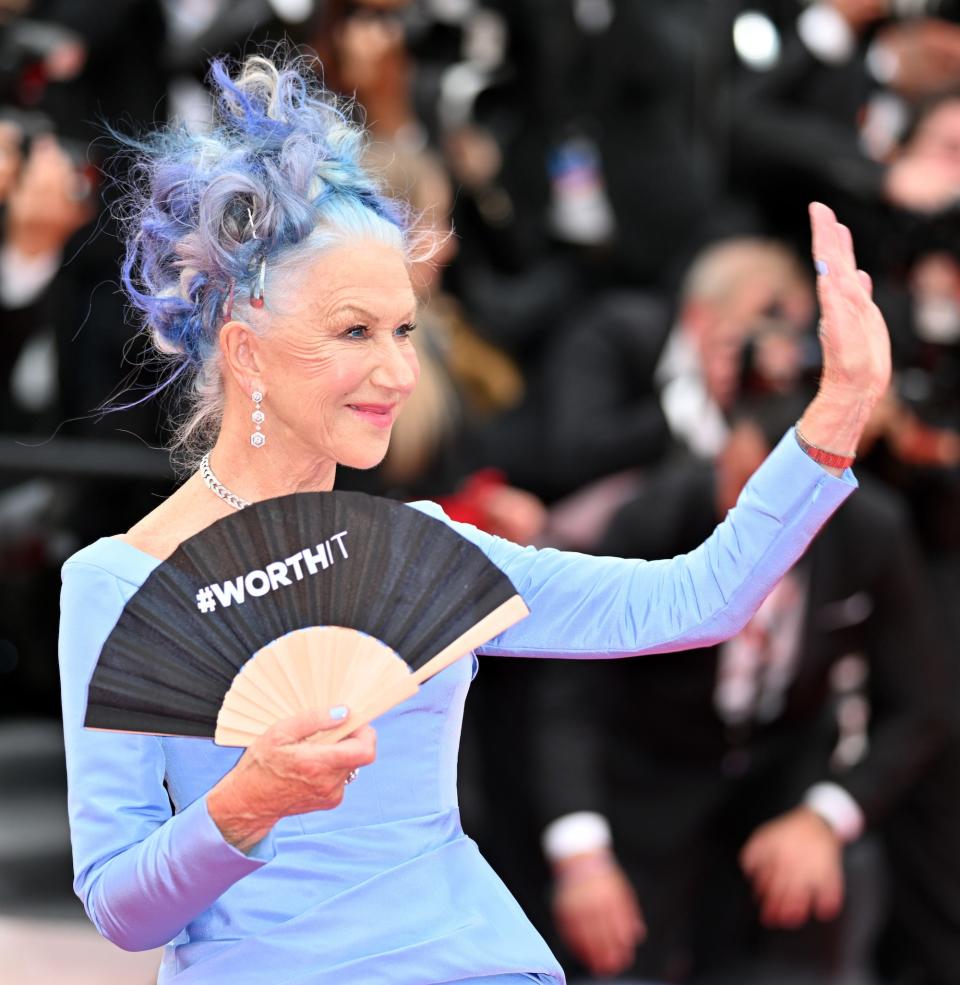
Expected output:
{"points": [[380, 415]]}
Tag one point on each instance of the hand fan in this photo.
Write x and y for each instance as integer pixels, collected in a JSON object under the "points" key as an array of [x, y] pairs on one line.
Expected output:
{"points": [[307, 600]]}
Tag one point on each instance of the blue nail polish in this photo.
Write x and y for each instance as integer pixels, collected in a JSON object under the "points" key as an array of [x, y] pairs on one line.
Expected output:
{"points": [[338, 713], [821, 267]]}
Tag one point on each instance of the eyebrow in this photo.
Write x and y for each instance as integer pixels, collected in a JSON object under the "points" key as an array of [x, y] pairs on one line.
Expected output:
{"points": [[364, 315]]}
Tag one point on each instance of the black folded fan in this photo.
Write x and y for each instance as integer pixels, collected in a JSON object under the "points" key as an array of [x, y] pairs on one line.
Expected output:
{"points": [[309, 600]]}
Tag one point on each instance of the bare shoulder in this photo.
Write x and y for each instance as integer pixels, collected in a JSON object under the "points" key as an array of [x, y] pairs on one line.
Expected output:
{"points": [[188, 511]]}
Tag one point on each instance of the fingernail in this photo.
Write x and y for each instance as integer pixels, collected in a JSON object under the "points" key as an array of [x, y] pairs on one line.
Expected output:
{"points": [[338, 713], [821, 267]]}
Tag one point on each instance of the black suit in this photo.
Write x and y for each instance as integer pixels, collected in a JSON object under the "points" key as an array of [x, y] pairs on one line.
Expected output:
{"points": [[591, 408], [640, 742]]}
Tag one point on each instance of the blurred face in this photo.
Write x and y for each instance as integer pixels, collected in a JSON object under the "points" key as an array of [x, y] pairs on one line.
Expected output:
{"points": [[721, 332], [938, 137], [338, 362]]}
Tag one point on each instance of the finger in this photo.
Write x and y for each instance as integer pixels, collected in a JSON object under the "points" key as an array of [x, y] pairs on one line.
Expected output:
{"points": [[608, 954], [307, 723], [795, 907], [641, 926], [623, 926], [832, 246], [867, 281], [570, 930], [787, 903], [575, 932], [751, 856], [366, 737], [763, 881], [838, 286], [768, 891], [749, 862], [829, 898], [845, 241], [334, 718], [823, 234], [593, 928], [756, 867], [345, 755]]}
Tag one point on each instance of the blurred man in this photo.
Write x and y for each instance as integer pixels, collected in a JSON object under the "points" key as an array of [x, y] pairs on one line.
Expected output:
{"points": [[686, 783]]}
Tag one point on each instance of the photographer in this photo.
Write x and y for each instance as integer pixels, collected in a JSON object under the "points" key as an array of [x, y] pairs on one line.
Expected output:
{"points": [[45, 202], [825, 118]]}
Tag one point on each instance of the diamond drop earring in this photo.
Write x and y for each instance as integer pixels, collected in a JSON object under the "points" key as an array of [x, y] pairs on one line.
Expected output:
{"points": [[258, 439]]}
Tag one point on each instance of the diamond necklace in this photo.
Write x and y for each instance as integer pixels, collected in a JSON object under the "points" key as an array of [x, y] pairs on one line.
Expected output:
{"points": [[217, 487]]}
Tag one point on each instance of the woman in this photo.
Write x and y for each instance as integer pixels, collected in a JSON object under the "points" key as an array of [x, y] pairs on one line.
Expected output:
{"points": [[267, 264]]}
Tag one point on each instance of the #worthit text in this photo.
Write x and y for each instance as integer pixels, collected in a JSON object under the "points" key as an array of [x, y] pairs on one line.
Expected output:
{"points": [[272, 576]]}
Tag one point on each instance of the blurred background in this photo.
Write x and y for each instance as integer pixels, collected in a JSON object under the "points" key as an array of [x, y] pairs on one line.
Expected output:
{"points": [[620, 329]]}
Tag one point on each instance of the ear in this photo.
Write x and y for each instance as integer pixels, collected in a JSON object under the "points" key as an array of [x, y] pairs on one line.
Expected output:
{"points": [[242, 355]]}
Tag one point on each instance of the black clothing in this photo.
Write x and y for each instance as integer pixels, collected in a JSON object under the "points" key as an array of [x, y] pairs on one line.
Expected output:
{"points": [[640, 740]]}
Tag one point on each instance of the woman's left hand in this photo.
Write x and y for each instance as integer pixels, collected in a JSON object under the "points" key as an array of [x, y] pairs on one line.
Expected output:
{"points": [[856, 344], [854, 336]]}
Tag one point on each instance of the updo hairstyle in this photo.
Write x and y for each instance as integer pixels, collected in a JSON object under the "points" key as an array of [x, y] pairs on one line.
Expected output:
{"points": [[277, 175]]}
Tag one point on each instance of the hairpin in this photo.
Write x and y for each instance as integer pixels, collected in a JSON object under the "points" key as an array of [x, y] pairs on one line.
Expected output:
{"points": [[256, 291], [228, 303]]}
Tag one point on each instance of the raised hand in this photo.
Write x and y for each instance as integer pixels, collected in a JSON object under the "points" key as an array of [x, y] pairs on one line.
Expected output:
{"points": [[854, 337]]}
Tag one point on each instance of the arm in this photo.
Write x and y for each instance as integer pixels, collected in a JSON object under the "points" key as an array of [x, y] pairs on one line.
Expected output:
{"points": [[594, 906], [794, 860], [907, 683], [583, 606], [141, 871]]}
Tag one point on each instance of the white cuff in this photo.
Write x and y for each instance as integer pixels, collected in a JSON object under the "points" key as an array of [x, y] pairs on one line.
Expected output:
{"points": [[825, 34], [692, 416], [23, 278], [575, 834], [837, 808], [882, 63]]}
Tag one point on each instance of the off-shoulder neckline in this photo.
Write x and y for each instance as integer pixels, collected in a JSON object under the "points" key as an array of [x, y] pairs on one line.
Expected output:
{"points": [[152, 561]]}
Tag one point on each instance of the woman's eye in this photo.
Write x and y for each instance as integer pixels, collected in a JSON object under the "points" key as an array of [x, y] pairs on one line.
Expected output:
{"points": [[356, 332], [404, 330]]}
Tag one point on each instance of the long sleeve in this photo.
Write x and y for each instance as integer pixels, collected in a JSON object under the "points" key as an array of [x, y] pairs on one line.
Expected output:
{"points": [[596, 607], [141, 871]]}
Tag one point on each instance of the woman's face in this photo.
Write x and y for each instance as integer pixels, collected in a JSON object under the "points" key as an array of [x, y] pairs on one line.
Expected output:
{"points": [[338, 362]]}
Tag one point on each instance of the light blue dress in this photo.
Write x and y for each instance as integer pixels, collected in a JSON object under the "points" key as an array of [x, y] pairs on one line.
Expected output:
{"points": [[386, 889]]}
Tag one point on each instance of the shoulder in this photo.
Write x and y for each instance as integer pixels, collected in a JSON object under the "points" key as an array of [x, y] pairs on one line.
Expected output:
{"points": [[497, 549], [108, 558], [431, 509]]}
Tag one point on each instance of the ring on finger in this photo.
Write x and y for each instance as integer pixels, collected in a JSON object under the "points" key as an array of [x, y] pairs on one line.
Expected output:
{"points": [[351, 776], [821, 267]]}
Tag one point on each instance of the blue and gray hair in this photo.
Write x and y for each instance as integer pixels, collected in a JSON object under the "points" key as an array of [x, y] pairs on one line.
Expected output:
{"points": [[279, 176]]}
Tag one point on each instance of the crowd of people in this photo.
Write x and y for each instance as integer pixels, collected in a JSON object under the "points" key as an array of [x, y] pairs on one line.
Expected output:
{"points": [[615, 329]]}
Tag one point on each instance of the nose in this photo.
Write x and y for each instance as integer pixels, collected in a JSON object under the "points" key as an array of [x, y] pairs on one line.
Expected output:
{"points": [[398, 368]]}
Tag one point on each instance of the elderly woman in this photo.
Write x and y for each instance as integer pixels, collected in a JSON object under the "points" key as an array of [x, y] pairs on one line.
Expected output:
{"points": [[270, 268]]}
